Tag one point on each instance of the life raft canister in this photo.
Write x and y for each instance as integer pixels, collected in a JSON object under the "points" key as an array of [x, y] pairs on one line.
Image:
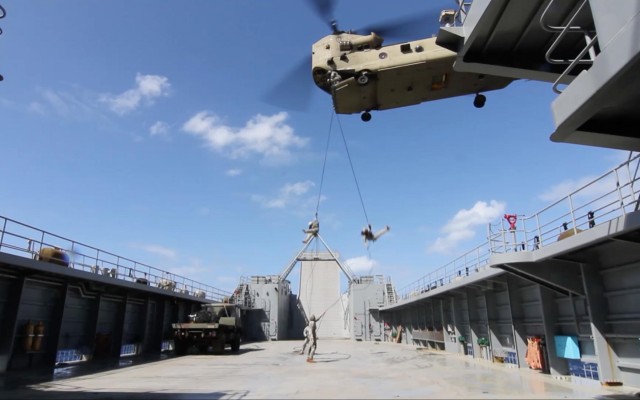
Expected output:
{"points": [[512, 219]]}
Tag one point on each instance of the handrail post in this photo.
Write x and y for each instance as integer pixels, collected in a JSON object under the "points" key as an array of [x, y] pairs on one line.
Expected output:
{"points": [[539, 230], [573, 217], [524, 230], [4, 228], [624, 212], [41, 241]]}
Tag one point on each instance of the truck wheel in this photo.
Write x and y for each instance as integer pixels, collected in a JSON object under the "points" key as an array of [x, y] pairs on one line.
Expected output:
{"points": [[218, 345], [180, 347], [235, 346]]}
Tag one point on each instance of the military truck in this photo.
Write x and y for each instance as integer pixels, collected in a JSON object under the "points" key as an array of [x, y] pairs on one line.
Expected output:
{"points": [[213, 327]]}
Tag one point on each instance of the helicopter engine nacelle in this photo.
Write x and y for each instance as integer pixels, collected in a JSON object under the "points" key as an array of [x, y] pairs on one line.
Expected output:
{"points": [[327, 50], [337, 44], [360, 43]]}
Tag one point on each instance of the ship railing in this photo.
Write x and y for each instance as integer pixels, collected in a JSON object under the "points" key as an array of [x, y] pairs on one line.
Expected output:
{"points": [[27, 241], [609, 196]]}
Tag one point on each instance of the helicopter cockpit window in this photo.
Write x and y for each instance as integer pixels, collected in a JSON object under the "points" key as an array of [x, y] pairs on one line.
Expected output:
{"points": [[348, 46], [438, 82]]}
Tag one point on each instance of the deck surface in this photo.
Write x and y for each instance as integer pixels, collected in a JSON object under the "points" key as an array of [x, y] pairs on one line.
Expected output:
{"points": [[276, 370]]}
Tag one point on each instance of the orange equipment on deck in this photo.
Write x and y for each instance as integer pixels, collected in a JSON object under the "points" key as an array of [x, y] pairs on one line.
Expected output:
{"points": [[534, 356]]}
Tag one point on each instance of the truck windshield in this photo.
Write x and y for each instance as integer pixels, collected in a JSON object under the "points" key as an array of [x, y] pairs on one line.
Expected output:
{"points": [[221, 311]]}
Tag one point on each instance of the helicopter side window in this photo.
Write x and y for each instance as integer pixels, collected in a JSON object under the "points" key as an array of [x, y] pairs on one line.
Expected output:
{"points": [[405, 48], [438, 82]]}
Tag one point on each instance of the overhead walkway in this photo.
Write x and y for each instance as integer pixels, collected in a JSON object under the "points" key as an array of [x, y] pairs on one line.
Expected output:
{"points": [[569, 270], [64, 302], [588, 49]]}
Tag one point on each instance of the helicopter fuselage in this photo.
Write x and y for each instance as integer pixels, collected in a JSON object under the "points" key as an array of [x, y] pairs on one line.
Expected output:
{"points": [[362, 75]]}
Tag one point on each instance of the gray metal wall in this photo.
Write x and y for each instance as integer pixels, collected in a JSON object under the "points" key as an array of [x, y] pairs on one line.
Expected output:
{"points": [[320, 295], [79, 316], [269, 318], [507, 310], [365, 299]]}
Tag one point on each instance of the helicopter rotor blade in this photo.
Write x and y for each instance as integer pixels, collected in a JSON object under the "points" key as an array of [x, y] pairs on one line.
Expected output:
{"points": [[409, 26], [324, 9], [294, 91]]}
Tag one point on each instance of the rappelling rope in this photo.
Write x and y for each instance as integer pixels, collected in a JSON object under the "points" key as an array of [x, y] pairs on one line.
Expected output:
{"points": [[324, 164], [319, 319], [353, 171]]}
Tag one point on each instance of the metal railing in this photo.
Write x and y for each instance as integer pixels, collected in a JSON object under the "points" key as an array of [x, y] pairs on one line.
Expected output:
{"points": [[590, 37], [609, 196], [27, 241]]}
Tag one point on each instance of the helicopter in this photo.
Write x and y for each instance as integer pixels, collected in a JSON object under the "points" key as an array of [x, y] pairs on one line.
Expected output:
{"points": [[362, 75]]}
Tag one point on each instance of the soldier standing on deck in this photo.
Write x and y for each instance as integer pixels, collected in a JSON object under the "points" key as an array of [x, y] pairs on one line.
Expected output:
{"points": [[307, 338], [313, 337]]}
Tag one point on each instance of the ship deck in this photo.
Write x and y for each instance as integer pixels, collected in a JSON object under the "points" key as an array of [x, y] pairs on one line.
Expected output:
{"points": [[343, 369]]}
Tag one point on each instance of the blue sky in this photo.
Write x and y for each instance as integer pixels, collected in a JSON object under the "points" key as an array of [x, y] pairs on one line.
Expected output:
{"points": [[140, 127]]}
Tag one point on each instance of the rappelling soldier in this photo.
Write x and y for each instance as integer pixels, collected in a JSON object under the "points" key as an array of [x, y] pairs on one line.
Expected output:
{"points": [[369, 236], [312, 230]]}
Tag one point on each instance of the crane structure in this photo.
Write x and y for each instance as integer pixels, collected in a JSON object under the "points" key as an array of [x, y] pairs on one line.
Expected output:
{"points": [[315, 235]]}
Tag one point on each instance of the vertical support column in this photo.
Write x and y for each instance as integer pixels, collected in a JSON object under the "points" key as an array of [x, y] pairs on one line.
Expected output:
{"points": [[407, 321], [10, 328], [425, 323], [598, 309], [456, 323], [147, 334], [433, 344], [472, 312], [517, 316], [556, 365], [433, 315], [492, 316], [438, 309], [56, 327], [116, 347], [94, 323], [158, 328]]}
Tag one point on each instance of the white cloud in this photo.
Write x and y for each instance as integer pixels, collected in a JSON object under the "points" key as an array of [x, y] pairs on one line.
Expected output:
{"points": [[593, 190], [72, 105], [362, 264], [158, 250], [6, 103], [233, 172], [268, 136], [37, 108], [563, 189], [462, 226], [146, 90], [159, 129], [188, 271], [226, 279], [288, 195], [189, 268]]}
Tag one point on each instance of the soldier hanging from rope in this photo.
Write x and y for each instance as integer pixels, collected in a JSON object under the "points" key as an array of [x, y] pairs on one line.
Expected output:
{"points": [[312, 230], [369, 236]]}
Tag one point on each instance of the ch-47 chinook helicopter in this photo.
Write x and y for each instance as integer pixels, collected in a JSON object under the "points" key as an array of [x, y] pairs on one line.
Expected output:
{"points": [[362, 75]]}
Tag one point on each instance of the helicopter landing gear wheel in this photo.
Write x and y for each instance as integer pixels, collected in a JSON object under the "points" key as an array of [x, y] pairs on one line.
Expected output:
{"points": [[366, 116], [363, 78], [479, 100]]}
